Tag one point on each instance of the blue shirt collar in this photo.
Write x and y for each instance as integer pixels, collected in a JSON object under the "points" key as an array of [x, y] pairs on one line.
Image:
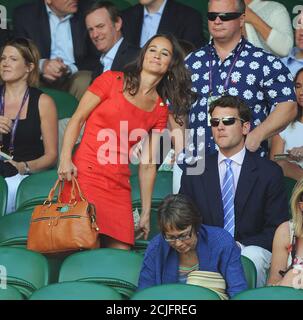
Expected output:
{"points": [[112, 52], [159, 12], [50, 11], [292, 54]]}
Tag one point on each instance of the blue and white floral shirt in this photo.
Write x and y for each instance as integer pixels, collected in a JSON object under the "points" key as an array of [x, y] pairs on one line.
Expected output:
{"points": [[257, 77]]}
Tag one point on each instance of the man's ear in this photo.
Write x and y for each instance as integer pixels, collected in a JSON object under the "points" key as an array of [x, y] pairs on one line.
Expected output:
{"points": [[246, 128], [118, 24], [242, 20]]}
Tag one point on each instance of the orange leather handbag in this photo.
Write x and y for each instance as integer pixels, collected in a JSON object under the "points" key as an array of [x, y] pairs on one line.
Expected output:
{"points": [[61, 227]]}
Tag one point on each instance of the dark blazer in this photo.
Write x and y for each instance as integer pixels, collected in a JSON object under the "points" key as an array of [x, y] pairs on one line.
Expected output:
{"points": [[4, 36], [182, 21], [125, 54], [260, 199], [30, 20]]}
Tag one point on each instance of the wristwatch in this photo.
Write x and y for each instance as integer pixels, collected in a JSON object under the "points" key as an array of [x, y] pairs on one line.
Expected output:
{"points": [[27, 168]]}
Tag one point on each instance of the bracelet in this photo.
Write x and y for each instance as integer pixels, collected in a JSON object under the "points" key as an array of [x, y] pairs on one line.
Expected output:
{"points": [[27, 168]]}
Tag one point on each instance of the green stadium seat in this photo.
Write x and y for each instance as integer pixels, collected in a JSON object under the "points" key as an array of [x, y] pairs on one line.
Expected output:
{"points": [[3, 196], [76, 290], [162, 188], [270, 293], [65, 102], [34, 189], [175, 291], [249, 271], [14, 228], [26, 270], [10, 293], [116, 268]]}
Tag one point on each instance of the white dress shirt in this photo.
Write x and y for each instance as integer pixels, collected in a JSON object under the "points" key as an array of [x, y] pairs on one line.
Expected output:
{"points": [[61, 40], [108, 58], [236, 165]]}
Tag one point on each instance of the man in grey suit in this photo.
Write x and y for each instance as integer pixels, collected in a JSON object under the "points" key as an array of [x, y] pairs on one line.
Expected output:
{"points": [[104, 25]]}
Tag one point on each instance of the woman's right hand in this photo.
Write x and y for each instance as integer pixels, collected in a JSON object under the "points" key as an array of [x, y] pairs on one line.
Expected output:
{"points": [[5, 125], [66, 170]]}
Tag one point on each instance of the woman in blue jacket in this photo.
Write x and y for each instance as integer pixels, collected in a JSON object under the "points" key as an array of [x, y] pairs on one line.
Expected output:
{"points": [[186, 245]]}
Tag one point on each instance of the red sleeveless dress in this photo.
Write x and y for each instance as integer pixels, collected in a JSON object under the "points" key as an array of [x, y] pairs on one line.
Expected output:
{"points": [[102, 157]]}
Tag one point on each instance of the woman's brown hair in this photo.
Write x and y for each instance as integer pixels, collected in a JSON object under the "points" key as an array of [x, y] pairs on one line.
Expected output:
{"points": [[30, 54], [174, 87]]}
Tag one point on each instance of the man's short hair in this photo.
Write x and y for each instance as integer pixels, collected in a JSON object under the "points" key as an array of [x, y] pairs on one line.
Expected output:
{"points": [[112, 10], [232, 102], [240, 5]]}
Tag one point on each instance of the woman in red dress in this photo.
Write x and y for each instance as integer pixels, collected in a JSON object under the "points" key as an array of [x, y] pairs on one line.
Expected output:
{"points": [[117, 108]]}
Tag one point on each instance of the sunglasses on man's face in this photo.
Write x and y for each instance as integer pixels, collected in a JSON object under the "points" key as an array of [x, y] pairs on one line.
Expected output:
{"points": [[227, 121], [224, 16]]}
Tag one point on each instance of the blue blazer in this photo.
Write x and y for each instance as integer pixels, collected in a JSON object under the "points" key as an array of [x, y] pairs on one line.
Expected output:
{"points": [[260, 199], [216, 250]]}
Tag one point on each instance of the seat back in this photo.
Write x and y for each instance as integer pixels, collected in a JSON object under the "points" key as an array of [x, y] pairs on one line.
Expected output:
{"points": [[10, 293], [26, 270], [270, 293], [175, 291], [34, 189], [250, 272], [75, 290], [65, 102], [3, 196], [14, 228], [162, 188], [117, 268]]}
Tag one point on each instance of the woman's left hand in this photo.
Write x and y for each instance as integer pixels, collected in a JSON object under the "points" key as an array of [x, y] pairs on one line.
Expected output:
{"points": [[296, 153], [20, 166], [144, 225]]}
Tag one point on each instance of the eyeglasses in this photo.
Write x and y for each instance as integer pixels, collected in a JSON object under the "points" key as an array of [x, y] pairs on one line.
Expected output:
{"points": [[224, 16], [182, 237], [227, 121]]}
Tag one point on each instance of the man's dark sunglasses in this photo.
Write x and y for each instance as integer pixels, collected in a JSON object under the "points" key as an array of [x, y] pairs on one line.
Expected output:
{"points": [[224, 16], [227, 121]]}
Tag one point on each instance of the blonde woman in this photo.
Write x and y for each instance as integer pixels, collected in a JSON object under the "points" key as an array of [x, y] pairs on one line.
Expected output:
{"points": [[28, 117], [287, 255]]}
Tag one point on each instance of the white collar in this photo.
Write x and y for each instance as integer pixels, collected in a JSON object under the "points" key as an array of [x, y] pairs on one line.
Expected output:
{"points": [[238, 157]]}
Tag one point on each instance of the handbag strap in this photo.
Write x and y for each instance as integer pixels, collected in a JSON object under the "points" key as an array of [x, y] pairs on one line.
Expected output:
{"points": [[53, 190], [74, 191], [76, 187]]}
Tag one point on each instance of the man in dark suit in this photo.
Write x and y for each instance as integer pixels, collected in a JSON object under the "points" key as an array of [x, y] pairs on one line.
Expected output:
{"points": [[4, 36], [104, 23], [57, 27], [239, 190], [149, 17]]}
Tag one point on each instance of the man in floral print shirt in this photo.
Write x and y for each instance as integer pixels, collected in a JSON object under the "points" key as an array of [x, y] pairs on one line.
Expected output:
{"points": [[229, 64]]}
